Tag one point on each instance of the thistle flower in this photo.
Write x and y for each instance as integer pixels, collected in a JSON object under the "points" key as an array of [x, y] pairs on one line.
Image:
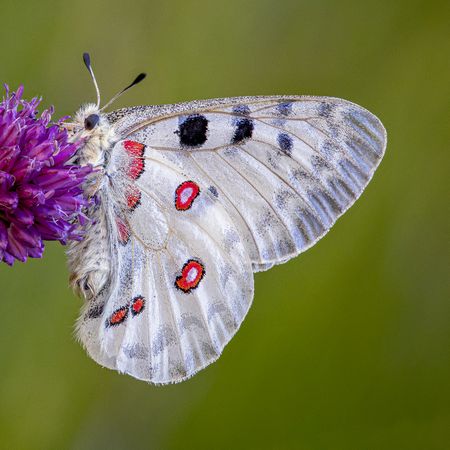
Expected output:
{"points": [[41, 197]]}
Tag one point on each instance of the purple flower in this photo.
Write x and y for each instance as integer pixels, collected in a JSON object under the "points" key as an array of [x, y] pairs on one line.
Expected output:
{"points": [[41, 196]]}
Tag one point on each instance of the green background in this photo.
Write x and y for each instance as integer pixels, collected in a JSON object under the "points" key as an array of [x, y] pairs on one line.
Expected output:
{"points": [[346, 347]]}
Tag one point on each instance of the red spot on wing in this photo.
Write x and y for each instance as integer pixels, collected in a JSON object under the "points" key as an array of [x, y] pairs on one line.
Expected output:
{"points": [[133, 197], [134, 148], [136, 168], [137, 305], [122, 231], [191, 274], [137, 163], [185, 195], [117, 317]]}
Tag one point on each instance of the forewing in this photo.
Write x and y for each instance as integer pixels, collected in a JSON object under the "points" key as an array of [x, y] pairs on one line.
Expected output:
{"points": [[284, 168]]}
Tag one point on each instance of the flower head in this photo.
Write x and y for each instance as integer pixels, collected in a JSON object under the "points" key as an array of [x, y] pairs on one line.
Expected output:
{"points": [[41, 195]]}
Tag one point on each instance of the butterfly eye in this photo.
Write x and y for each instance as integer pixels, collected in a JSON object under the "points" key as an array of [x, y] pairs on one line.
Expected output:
{"points": [[91, 121]]}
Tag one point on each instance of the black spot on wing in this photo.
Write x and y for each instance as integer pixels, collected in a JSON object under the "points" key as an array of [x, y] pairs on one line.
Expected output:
{"points": [[244, 130], [243, 110], [192, 131], [213, 191], [285, 108], [326, 109], [285, 143]]}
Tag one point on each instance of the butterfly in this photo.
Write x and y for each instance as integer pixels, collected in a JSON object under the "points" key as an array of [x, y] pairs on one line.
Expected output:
{"points": [[190, 200]]}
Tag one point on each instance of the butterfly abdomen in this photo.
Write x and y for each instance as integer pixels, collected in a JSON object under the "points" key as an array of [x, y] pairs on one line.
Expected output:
{"points": [[89, 259]]}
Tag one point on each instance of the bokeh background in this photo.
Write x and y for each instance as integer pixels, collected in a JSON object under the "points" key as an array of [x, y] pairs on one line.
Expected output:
{"points": [[346, 347]]}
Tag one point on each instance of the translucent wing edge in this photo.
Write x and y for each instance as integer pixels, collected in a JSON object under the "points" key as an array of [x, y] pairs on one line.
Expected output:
{"points": [[266, 265]]}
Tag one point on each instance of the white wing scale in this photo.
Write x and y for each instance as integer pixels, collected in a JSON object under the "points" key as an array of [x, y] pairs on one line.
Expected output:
{"points": [[273, 176]]}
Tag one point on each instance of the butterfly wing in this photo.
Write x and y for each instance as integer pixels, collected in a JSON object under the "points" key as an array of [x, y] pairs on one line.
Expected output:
{"points": [[205, 193], [284, 168], [182, 281]]}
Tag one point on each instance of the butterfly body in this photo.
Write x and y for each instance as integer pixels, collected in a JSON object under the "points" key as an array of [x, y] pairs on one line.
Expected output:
{"points": [[191, 199]]}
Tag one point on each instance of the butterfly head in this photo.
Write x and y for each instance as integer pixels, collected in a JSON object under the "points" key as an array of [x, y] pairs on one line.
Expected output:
{"points": [[92, 128], [91, 123]]}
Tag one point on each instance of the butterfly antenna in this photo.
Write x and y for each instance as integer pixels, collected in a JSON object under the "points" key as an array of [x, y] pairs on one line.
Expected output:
{"points": [[87, 62], [137, 80]]}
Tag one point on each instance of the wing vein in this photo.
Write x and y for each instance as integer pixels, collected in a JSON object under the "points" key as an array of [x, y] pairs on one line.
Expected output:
{"points": [[307, 203], [257, 190], [229, 200], [310, 173]]}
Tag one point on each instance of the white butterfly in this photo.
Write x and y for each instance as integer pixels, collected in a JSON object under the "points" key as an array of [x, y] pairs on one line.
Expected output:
{"points": [[191, 200]]}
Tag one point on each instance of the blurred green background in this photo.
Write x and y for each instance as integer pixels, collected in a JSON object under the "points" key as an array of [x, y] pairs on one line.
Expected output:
{"points": [[346, 347]]}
